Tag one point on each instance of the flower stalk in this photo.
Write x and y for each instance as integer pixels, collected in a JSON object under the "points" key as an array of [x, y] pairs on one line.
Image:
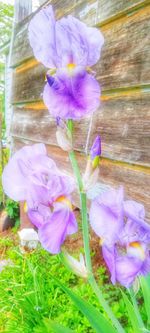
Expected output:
{"points": [[85, 229]]}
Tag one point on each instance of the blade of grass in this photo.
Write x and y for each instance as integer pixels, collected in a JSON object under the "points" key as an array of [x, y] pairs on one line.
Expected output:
{"points": [[131, 314], [57, 328], [145, 285]]}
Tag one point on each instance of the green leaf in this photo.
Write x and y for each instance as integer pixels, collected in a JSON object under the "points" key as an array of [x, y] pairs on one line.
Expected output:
{"points": [[131, 313], [145, 285], [57, 328], [98, 322]]}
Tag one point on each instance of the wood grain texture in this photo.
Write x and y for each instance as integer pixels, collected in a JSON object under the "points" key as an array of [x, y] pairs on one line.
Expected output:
{"points": [[124, 61], [123, 123], [110, 10], [92, 12], [123, 72], [23, 9], [136, 180], [28, 84]]}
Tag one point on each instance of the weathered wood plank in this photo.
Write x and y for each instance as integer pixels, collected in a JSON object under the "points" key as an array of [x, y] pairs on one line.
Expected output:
{"points": [[111, 10], [124, 61], [126, 52], [124, 124], [122, 121], [23, 8], [136, 180], [91, 12], [28, 83]]}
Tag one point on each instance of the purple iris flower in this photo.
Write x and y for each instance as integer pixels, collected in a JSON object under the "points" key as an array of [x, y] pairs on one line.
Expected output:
{"points": [[106, 215], [125, 264], [73, 96], [125, 236], [66, 41], [69, 47], [33, 177], [23, 166]]}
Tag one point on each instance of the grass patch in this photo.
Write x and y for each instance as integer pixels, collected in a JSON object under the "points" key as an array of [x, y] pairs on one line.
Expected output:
{"points": [[29, 296]]}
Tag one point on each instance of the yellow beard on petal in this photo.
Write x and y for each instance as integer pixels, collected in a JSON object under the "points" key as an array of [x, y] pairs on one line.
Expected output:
{"points": [[64, 200], [137, 250], [70, 68]]}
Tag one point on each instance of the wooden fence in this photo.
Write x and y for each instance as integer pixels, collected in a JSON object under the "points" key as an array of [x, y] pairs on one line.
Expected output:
{"points": [[123, 119]]}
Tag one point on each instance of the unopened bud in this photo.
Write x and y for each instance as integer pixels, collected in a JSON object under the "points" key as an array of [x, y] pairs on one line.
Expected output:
{"points": [[91, 174], [63, 139], [95, 152], [92, 180], [77, 266]]}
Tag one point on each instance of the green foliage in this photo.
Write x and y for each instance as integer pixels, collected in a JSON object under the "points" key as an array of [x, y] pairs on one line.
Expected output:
{"points": [[99, 323], [6, 19], [28, 294], [6, 15], [131, 313], [30, 300], [12, 209], [3, 162], [145, 285], [56, 328]]}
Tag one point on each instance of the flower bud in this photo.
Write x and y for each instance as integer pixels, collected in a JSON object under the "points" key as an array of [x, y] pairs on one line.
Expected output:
{"points": [[95, 152], [91, 180], [63, 139], [28, 238], [77, 266], [91, 174]]}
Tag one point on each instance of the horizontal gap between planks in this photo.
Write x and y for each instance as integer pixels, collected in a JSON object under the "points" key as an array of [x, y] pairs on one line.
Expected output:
{"points": [[104, 25], [104, 160], [124, 14], [135, 91], [28, 64]]}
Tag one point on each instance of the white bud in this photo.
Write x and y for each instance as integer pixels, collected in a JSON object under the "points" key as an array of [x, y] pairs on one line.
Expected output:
{"points": [[63, 139], [77, 266], [90, 181], [28, 238]]}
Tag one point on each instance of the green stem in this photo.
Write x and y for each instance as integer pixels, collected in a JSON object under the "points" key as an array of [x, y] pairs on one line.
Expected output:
{"points": [[136, 309], [76, 170], [83, 210], [85, 228]]}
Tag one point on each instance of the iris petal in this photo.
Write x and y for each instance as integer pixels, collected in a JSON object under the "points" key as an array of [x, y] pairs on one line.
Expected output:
{"points": [[58, 43], [53, 233], [72, 97]]}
